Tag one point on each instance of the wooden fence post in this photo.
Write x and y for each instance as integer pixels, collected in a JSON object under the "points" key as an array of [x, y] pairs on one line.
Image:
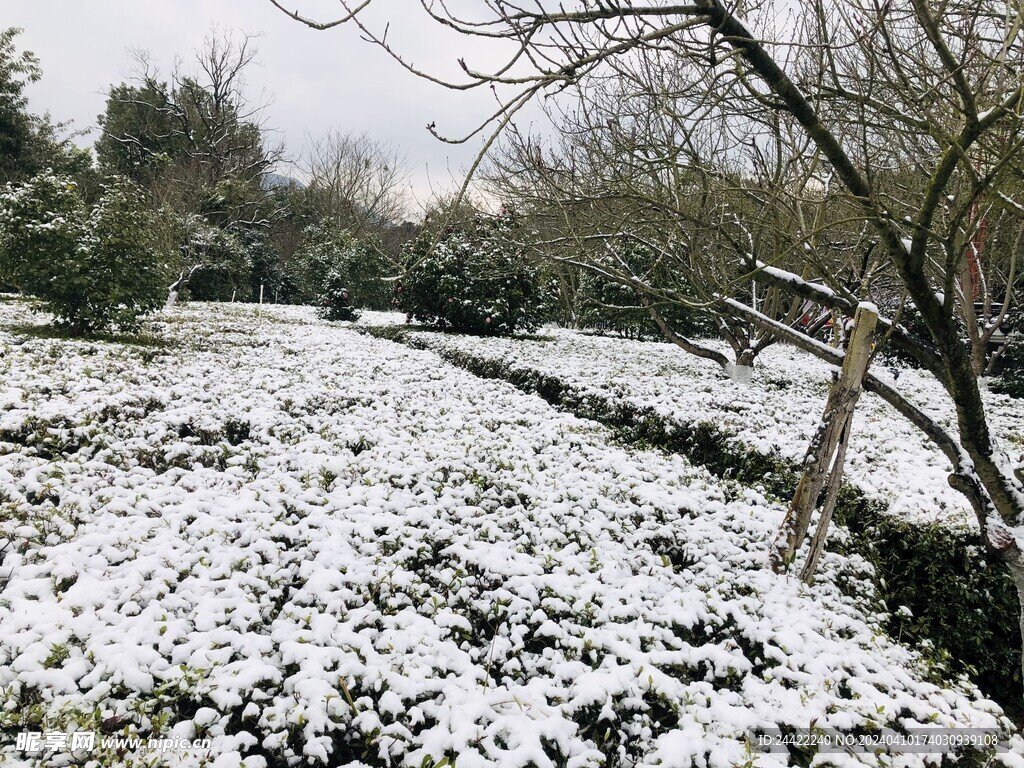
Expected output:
{"points": [[827, 450]]}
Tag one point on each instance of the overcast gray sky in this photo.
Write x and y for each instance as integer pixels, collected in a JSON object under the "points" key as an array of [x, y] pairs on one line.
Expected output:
{"points": [[314, 81]]}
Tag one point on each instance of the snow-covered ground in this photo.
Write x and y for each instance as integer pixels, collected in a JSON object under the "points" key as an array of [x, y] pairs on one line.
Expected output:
{"points": [[888, 459], [315, 547]]}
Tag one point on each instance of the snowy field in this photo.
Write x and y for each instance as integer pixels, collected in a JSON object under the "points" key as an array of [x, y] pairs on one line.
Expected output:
{"points": [[888, 459], [314, 547]]}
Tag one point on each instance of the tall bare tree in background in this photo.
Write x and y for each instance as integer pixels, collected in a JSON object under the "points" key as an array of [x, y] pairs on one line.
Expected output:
{"points": [[911, 113], [198, 140], [356, 181]]}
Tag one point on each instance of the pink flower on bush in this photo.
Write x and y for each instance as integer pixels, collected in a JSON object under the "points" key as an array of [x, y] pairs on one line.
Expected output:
{"points": [[487, 320]]}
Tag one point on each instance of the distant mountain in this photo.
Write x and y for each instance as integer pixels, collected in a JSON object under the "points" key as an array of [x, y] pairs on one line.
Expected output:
{"points": [[279, 181]]}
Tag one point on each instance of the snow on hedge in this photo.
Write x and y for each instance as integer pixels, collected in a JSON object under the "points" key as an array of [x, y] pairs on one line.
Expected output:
{"points": [[319, 548], [888, 459]]}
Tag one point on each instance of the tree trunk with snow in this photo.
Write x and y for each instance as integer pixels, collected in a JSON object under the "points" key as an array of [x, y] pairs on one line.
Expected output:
{"points": [[741, 370], [172, 297], [175, 288]]}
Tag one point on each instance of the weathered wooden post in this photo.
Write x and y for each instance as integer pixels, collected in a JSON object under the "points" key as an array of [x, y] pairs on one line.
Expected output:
{"points": [[826, 450]]}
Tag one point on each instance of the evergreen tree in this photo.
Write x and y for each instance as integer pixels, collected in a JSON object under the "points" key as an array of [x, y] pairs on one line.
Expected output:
{"points": [[472, 278], [16, 71]]}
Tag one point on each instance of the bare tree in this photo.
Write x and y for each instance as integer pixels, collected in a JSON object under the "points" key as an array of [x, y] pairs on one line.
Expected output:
{"points": [[357, 182], [912, 109], [630, 166], [199, 144]]}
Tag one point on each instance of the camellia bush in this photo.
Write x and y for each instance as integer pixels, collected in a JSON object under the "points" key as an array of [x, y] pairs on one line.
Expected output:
{"points": [[472, 279], [42, 226], [94, 271], [335, 301], [331, 256], [606, 306]]}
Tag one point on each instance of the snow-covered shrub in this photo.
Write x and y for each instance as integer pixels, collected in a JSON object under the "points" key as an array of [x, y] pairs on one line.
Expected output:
{"points": [[343, 552], [1011, 382], [42, 224], [94, 272], [335, 301], [926, 556], [329, 254], [367, 271], [961, 605], [321, 248], [603, 299], [472, 279], [264, 260], [125, 279], [224, 263]]}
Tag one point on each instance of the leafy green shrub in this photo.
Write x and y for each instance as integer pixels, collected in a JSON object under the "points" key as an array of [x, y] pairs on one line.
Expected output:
{"points": [[17, 70], [42, 225], [957, 597], [264, 264], [472, 279], [1011, 381], [224, 264], [93, 271], [368, 272], [335, 302], [603, 300], [329, 250], [321, 248]]}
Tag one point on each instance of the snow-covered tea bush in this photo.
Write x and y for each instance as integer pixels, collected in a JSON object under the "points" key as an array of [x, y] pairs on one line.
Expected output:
{"points": [[94, 271], [902, 513], [472, 278], [318, 548]]}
